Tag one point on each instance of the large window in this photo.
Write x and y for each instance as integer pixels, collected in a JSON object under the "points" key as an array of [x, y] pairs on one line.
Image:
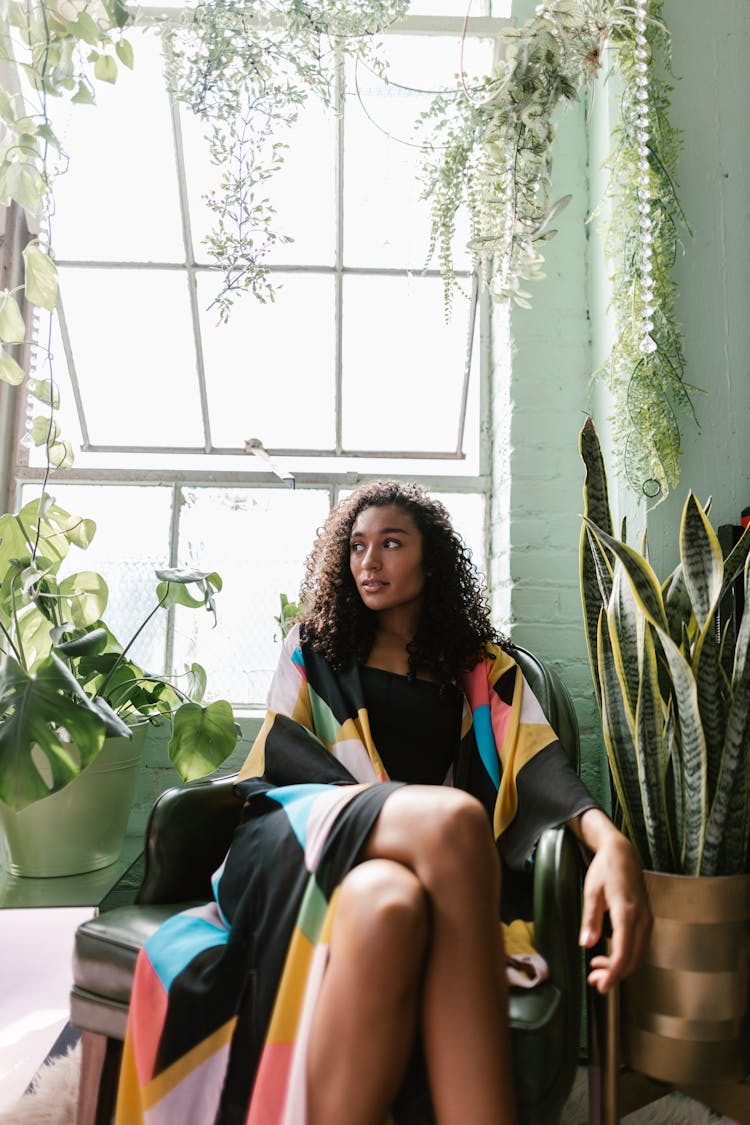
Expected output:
{"points": [[189, 433]]}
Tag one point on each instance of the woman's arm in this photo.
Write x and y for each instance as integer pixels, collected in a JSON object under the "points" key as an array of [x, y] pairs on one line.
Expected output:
{"points": [[613, 883]]}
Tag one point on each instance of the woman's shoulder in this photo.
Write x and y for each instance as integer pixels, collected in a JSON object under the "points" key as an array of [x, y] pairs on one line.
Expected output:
{"points": [[498, 658]]}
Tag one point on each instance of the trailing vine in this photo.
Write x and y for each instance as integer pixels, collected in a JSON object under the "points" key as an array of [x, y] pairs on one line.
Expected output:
{"points": [[246, 70], [56, 49], [647, 366], [491, 150]]}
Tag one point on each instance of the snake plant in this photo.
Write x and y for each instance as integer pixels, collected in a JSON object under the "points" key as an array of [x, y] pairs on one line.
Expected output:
{"points": [[672, 685]]}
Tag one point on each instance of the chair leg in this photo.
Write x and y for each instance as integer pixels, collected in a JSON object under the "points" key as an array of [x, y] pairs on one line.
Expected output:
{"points": [[603, 1017], [100, 1071]]}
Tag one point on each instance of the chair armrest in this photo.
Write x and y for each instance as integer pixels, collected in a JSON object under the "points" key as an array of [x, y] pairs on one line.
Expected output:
{"points": [[557, 907], [187, 836]]}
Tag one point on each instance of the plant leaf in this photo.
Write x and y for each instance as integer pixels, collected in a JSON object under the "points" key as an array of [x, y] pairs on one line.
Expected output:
{"points": [[202, 738], [591, 571], [10, 371], [702, 562], [85, 596], [649, 748], [33, 710], [12, 327], [644, 582], [41, 277], [619, 739]]}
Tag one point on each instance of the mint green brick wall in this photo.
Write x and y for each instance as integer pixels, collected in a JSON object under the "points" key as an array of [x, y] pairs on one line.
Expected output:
{"points": [[539, 404], [539, 407]]}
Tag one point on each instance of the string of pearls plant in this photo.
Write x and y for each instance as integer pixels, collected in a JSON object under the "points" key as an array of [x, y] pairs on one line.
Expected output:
{"points": [[491, 150], [646, 370]]}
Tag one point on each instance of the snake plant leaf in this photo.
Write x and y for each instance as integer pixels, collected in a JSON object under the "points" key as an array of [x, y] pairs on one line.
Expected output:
{"points": [[596, 508], [623, 620], [702, 562], [677, 603], [733, 849], [693, 746], [644, 582], [649, 743], [743, 633], [737, 557], [202, 738], [603, 568], [735, 741], [673, 793], [712, 705], [619, 739], [34, 710]]}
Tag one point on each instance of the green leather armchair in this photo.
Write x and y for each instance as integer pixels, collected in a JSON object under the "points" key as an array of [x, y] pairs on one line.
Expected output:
{"points": [[186, 839]]}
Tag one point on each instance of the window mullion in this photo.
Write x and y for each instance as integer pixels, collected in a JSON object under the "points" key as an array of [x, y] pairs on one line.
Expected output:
{"points": [[340, 93]]}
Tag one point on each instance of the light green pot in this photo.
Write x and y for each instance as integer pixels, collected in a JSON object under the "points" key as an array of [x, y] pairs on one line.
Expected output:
{"points": [[82, 826]]}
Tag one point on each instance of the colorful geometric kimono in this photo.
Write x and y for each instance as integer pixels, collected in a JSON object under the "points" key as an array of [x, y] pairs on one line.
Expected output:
{"points": [[224, 994]]}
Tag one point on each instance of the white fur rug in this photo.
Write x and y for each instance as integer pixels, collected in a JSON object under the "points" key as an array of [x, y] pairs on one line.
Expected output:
{"points": [[52, 1101]]}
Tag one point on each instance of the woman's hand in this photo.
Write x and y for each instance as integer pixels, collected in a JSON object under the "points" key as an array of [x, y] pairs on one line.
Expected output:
{"points": [[613, 884]]}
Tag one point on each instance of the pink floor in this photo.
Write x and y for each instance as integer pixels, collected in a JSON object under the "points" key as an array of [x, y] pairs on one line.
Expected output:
{"points": [[35, 978]]}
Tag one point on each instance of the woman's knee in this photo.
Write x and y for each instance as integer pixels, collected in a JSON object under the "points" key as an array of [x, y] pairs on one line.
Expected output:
{"points": [[450, 839], [383, 902]]}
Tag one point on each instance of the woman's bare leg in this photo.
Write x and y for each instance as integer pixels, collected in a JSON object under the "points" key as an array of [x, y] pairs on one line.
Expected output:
{"points": [[367, 1012], [443, 836]]}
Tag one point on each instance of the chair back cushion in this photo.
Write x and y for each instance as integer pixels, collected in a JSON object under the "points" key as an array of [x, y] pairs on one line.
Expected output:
{"points": [[188, 835]]}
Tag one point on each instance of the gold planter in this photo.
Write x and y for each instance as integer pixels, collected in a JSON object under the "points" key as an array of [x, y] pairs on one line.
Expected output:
{"points": [[685, 1011]]}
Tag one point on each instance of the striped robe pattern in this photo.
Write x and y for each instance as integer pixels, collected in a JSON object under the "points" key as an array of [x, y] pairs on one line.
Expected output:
{"points": [[224, 993]]}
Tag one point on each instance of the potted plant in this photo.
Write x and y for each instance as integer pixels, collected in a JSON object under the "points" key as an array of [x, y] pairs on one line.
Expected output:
{"points": [[674, 695], [71, 696]]}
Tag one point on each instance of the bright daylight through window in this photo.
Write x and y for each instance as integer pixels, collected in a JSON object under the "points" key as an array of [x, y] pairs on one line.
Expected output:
{"points": [[227, 443]]}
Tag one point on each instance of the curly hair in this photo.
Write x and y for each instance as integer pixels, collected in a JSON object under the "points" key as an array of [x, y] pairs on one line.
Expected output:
{"points": [[454, 627]]}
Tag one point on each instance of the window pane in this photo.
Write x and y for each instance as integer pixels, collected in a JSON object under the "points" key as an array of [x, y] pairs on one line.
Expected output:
{"points": [[132, 538], [132, 341], [386, 223], [302, 192], [271, 368], [118, 198], [403, 365], [257, 539], [466, 510]]}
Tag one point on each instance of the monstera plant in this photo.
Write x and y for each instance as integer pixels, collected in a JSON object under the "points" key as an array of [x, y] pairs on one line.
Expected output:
{"points": [[673, 685], [66, 682]]}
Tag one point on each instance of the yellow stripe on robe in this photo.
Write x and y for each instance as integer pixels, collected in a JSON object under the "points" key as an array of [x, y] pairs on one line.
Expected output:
{"points": [[165, 1082], [522, 742]]}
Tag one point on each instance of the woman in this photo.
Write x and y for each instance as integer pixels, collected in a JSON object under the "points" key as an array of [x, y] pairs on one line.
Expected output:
{"points": [[353, 963]]}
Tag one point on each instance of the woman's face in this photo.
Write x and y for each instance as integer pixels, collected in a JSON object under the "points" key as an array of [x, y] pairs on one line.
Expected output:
{"points": [[385, 556]]}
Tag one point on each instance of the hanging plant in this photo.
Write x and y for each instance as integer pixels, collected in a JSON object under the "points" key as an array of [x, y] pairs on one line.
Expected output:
{"points": [[646, 368], [246, 70], [491, 150], [51, 49]]}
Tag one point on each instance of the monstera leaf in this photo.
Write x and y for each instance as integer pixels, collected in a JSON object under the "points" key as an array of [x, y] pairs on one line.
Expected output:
{"points": [[202, 738], [47, 710]]}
